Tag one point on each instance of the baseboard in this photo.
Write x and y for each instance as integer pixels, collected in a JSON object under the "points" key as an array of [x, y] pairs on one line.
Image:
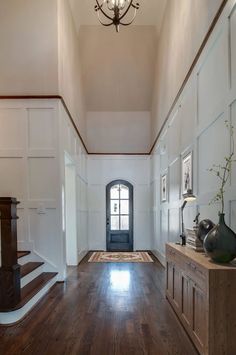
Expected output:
{"points": [[161, 258], [81, 255]]}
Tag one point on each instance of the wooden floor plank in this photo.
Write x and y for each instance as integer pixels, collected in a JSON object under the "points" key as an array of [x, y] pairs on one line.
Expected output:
{"points": [[102, 309]]}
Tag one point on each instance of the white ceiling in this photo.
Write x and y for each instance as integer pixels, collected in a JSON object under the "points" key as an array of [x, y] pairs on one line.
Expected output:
{"points": [[150, 12]]}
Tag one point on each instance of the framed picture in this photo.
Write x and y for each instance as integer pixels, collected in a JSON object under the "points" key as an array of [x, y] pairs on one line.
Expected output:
{"points": [[187, 173], [164, 188]]}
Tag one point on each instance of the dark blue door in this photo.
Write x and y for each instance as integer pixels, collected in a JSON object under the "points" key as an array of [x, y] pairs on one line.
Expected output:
{"points": [[119, 216]]}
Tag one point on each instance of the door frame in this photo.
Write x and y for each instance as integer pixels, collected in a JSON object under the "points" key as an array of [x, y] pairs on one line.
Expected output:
{"points": [[131, 210]]}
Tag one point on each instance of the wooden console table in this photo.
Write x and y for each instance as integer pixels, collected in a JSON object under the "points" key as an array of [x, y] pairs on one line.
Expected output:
{"points": [[203, 295]]}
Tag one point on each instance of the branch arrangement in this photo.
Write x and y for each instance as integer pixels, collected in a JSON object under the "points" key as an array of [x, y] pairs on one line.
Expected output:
{"points": [[223, 172]]}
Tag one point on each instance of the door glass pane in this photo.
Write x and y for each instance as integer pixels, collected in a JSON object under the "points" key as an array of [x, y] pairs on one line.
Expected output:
{"points": [[114, 223], [124, 191], [124, 206], [124, 223], [115, 207], [115, 191]]}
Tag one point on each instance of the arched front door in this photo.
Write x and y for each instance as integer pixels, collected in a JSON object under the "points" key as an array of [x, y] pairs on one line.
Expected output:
{"points": [[119, 216]]}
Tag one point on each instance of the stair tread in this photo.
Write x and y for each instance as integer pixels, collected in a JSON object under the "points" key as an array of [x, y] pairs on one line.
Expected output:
{"points": [[29, 267], [21, 254], [32, 288]]}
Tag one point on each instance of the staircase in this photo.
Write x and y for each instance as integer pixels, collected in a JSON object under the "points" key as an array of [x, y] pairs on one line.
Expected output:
{"points": [[23, 281]]}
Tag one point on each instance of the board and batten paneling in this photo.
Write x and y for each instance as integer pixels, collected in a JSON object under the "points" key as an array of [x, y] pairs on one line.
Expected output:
{"points": [[197, 124], [32, 165], [28, 165]]}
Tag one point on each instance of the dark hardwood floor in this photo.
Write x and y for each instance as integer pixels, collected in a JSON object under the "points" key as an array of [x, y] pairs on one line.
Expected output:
{"points": [[102, 309]]}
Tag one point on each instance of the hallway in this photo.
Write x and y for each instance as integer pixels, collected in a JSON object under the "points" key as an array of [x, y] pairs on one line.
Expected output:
{"points": [[102, 309]]}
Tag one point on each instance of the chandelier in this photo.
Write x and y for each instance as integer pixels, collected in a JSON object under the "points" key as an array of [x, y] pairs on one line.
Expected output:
{"points": [[115, 11]]}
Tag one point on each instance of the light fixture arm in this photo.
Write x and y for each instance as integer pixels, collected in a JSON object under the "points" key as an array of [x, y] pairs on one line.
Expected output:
{"points": [[98, 7], [127, 10], [117, 8], [129, 23]]}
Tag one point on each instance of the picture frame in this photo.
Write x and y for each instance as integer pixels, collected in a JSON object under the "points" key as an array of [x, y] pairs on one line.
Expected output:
{"points": [[187, 173], [164, 188]]}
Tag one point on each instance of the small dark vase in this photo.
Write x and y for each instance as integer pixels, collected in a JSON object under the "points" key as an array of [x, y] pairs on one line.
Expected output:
{"points": [[220, 242]]}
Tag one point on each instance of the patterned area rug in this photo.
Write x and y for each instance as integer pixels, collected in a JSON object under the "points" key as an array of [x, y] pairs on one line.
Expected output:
{"points": [[120, 257]]}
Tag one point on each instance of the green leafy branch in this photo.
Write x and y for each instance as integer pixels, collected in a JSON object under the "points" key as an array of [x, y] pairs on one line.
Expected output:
{"points": [[223, 172]]}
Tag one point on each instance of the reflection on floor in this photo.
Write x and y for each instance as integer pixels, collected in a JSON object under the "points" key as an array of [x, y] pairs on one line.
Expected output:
{"points": [[102, 309]]}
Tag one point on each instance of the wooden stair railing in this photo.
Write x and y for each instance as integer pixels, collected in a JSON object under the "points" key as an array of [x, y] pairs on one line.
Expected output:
{"points": [[10, 289]]}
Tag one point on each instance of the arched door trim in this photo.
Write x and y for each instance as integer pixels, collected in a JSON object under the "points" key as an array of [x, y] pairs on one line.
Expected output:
{"points": [[119, 216]]}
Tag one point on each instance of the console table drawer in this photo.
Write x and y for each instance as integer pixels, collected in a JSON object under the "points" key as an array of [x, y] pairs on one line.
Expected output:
{"points": [[196, 274]]}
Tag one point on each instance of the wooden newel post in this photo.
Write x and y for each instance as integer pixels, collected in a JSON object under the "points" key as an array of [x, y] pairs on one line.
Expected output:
{"points": [[9, 270]]}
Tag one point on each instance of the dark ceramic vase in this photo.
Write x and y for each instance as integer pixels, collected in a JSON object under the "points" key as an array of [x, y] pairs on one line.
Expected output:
{"points": [[220, 242]]}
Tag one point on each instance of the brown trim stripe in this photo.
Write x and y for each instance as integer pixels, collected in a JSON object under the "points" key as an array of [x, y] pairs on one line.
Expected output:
{"points": [[59, 97]]}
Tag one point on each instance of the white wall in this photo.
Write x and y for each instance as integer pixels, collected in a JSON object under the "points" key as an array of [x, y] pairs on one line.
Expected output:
{"points": [[197, 124], [32, 169], [118, 132], [101, 171], [28, 37], [29, 171]]}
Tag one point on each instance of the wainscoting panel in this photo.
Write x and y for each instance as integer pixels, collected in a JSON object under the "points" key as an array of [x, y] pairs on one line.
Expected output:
{"points": [[42, 129], [12, 177], [233, 215], [42, 177], [12, 133], [213, 146], [212, 80], [174, 181], [187, 115], [174, 224], [164, 215], [233, 121], [174, 136]]}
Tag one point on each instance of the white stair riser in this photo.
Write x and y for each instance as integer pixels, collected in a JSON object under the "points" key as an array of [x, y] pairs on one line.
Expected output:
{"points": [[24, 260], [28, 278], [13, 317]]}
